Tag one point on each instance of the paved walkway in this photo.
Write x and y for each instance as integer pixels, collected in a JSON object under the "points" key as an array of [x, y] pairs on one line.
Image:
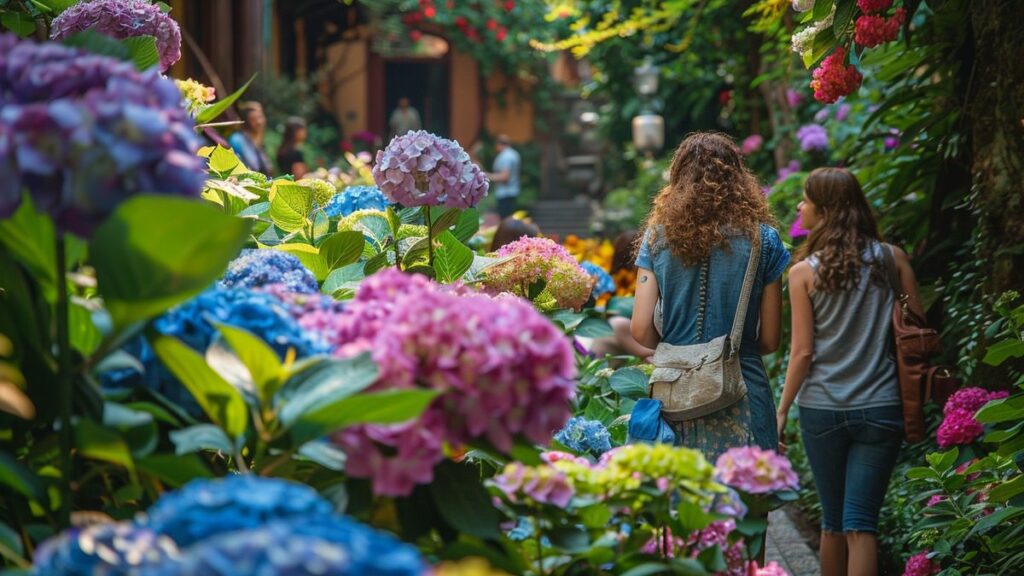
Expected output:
{"points": [[787, 547]]}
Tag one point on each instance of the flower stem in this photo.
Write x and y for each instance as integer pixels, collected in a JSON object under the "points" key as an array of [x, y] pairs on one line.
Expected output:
{"points": [[64, 382], [430, 237]]}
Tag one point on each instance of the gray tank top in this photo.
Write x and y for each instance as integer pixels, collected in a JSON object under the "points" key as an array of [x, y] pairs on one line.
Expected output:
{"points": [[852, 366]]}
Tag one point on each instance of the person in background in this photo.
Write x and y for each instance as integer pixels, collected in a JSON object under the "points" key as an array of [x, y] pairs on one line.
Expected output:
{"points": [[841, 371], [404, 119], [248, 142], [694, 256], [512, 229], [289, 154], [505, 177]]}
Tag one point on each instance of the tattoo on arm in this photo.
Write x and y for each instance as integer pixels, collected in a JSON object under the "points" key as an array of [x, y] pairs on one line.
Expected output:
{"points": [[643, 279]]}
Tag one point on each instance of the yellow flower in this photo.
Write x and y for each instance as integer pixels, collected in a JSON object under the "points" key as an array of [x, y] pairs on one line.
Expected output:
{"points": [[467, 567]]}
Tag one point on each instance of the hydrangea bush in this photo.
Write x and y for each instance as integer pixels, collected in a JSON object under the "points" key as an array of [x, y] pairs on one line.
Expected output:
{"points": [[82, 133], [122, 19], [422, 169]]}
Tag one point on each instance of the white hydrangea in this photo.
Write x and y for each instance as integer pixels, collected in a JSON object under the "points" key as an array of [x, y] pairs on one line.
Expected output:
{"points": [[803, 41], [803, 5]]}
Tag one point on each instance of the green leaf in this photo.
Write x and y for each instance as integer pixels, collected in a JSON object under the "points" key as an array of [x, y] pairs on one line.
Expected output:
{"points": [[221, 402], [414, 251], [1003, 351], [10, 540], [572, 539], [630, 383], [342, 278], [16, 475], [325, 454], [463, 501], [260, 359], [598, 410], [1007, 490], [19, 23], [692, 517], [712, 559], [394, 220], [996, 518], [142, 51], [451, 258], [621, 305], [595, 516], [137, 427], [376, 263], [444, 221], [468, 224], [822, 8], [157, 251], [175, 470], [342, 249], [199, 438], [309, 256], [997, 436], [322, 383], [1003, 410], [845, 9], [648, 569], [97, 43], [594, 328], [84, 335], [388, 407], [99, 443], [29, 237], [922, 473], [291, 206], [223, 161], [943, 461], [210, 113], [824, 42]]}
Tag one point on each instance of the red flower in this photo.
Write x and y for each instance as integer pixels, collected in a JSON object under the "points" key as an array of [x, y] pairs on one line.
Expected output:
{"points": [[869, 6], [492, 24], [871, 31], [415, 35], [472, 34], [501, 34], [834, 79], [346, 146], [510, 5], [461, 22], [430, 11], [724, 97]]}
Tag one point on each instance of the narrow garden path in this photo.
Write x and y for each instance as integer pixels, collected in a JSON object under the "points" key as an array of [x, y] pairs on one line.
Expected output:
{"points": [[787, 546]]}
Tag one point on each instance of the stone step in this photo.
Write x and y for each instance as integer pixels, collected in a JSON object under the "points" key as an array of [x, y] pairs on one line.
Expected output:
{"points": [[562, 217]]}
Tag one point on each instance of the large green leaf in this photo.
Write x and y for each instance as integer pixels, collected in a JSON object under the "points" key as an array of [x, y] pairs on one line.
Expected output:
{"points": [[174, 469], [388, 407], [342, 248], [20, 478], [442, 222], [594, 328], [10, 540], [95, 441], [310, 258], [264, 367], [463, 502], [29, 237], [142, 51], [1004, 410], [210, 113], [97, 43], [291, 206], [452, 258], [199, 438], [1003, 351], [468, 224], [83, 334], [221, 401], [137, 427], [156, 251], [344, 278], [630, 383], [323, 383]]}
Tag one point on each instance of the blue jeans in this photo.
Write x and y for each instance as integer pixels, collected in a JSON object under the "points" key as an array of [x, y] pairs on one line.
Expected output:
{"points": [[852, 454]]}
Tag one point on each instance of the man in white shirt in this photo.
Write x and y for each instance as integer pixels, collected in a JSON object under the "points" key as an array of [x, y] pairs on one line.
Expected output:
{"points": [[505, 177], [404, 119]]}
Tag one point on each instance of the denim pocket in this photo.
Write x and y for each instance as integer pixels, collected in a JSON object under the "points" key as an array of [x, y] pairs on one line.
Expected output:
{"points": [[819, 423], [883, 424]]}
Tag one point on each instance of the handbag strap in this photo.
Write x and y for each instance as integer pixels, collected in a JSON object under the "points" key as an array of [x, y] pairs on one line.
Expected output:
{"points": [[890, 270], [736, 336]]}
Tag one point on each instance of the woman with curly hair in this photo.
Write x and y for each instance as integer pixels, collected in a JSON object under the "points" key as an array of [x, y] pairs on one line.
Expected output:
{"points": [[693, 256], [841, 372]]}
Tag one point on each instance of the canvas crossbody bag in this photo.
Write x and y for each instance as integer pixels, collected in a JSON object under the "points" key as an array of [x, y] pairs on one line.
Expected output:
{"points": [[696, 380]]}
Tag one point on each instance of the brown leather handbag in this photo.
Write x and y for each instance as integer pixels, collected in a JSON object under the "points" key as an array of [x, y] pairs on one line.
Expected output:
{"points": [[915, 344]]}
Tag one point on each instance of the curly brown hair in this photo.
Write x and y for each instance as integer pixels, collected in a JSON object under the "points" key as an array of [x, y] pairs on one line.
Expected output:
{"points": [[710, 196], [846, 227]]}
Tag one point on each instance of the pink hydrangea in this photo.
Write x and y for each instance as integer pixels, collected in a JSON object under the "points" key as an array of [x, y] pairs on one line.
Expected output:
{"points": [[834, 79], [958, 428], [532, 260], [715, 534], [869, 6], [770, 569], [123, 19], [756, 471], [921, 565], [971, 399], [541, 484], [502, 370], [870, 31], [752, 143]]}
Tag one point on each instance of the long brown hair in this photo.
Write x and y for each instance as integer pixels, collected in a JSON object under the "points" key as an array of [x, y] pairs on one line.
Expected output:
{"points": [[710, 195], [846, 227]]}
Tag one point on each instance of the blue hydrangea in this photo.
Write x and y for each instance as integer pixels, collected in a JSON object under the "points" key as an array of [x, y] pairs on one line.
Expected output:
{"points": [[207, 508], [259, 268], [258, 312], [355, 198], [323, 546], [112, 549], [585, 436], [604, 283]]}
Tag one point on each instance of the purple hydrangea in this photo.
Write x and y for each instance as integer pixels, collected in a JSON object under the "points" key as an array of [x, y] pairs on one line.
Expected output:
{"points": [[82, 133], [206, 508], [585, 436], [422, 169], [788, 170], [112, 548], [355, 198], [812, 137], [123, 19], [502, 369], [261, 268]]}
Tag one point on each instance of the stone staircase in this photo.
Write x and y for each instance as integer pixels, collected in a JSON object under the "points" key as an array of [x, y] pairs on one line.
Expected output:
{"points": [[562, 217]]}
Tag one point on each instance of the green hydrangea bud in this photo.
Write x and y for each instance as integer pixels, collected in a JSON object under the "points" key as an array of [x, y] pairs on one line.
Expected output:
{"points": [[322, 190]]}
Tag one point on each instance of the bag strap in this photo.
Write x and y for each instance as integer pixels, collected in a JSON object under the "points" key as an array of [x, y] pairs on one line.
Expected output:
{"points": [[890, 270], [736, 335]]}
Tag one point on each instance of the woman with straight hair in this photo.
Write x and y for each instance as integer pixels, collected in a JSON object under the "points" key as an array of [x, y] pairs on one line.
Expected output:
{"points": [[693, 257], [289, 153], [841, 370]]}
